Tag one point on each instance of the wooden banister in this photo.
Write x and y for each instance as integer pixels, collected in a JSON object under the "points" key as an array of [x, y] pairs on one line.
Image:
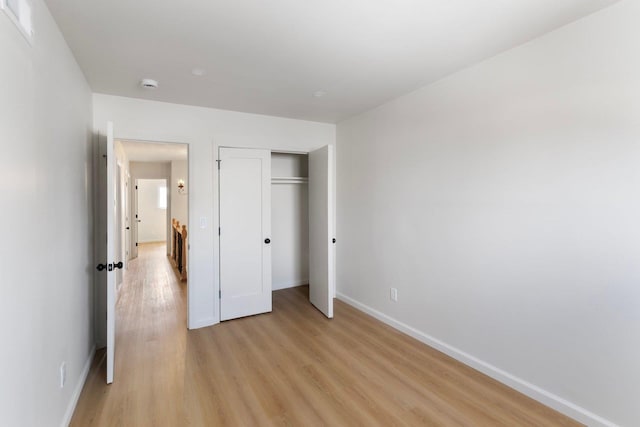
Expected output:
{"points": [[179, 248]]}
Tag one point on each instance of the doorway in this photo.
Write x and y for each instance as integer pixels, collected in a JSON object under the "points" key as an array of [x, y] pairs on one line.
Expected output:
{"points": [[252, 207], [159, 199], [151, 211], [130, 165]]}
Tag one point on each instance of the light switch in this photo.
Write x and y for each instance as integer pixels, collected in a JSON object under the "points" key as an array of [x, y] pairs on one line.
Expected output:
{"points": [[203, 222]]}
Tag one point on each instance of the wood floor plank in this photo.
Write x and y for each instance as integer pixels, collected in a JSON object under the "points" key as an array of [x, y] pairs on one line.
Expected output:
{"points": [[291, 367]]}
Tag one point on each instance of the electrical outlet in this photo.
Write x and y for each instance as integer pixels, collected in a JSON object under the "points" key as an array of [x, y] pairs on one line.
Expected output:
{"points": [[63, 374], [394, 294]]}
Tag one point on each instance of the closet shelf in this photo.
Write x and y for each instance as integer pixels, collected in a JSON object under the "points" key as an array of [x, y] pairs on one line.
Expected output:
{"points": [[289, 180]]}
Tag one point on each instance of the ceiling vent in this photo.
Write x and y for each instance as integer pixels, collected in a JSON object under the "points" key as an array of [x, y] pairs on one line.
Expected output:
{"points": [[149, 84]]}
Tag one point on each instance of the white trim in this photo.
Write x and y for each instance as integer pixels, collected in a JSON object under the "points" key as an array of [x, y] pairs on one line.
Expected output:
{"points": [[203, 323], [79, 386], [547, 398], [215, 221]]}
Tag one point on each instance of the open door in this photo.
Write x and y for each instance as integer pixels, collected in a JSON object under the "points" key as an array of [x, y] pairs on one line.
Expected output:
{"points": [[245, 232], [321, 230], [135, 225], [110, 266]]}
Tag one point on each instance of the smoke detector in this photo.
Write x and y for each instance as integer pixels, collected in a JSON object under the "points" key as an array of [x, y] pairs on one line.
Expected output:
{"points": [[149, 83], [198, 72]]}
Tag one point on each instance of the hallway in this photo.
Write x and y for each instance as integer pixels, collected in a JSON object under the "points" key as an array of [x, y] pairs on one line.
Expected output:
{"points": [[150, 346]]}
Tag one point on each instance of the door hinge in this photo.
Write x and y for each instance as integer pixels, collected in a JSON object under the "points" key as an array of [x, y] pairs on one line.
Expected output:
{"points": [[220, 294], [136, 187], [136, 244], [219, 231], [218, 161]]}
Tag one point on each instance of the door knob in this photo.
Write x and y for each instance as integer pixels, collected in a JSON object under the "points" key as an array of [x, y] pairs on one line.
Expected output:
{"points": [[334, 240], [117, 265], [267, 241], [101, 267], [127, 228]]}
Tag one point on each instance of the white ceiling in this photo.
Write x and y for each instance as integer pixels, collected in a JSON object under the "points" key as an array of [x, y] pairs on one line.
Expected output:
{"points": [[270, 57], [154, 152]]}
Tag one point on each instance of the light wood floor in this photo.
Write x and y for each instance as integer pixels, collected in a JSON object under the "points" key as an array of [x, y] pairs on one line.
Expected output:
{"points": [[291, 367]]}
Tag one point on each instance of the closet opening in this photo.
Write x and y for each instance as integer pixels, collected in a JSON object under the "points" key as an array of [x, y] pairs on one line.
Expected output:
{"points": [[276, 228], [289, 220]]}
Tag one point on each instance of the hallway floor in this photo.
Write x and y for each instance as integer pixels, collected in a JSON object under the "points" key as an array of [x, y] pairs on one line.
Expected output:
{"points": [[291, 367], [151, 330]]}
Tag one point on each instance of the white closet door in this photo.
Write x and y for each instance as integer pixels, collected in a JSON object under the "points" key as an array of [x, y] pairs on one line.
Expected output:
{"points": [[245, 232], [321, 230]]}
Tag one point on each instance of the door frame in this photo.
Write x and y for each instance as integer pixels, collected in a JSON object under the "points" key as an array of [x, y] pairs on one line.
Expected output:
{"points": [[127, 220], [216, 219], [120, 219], [132, 204]]}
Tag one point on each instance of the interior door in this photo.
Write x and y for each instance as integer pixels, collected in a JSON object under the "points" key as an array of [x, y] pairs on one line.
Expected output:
{"points": [[245, 232], [127, 222], [136, 221], [111, 264], [321, 230], [106, 249]]}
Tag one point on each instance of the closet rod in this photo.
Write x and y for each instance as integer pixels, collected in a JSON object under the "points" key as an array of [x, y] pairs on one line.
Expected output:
{"points": [[288, 182]]}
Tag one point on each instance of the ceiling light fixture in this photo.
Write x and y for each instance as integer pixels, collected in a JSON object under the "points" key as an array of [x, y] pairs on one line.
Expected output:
{"points": [[149, 84], [199, 72], [319, 93]]}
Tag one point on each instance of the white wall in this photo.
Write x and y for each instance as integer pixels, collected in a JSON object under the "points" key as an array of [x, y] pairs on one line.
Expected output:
{"points": [[46, 296], [290, 235], [180, 202], [150, 170], [203, 129], [503, 202], [152, 216]]}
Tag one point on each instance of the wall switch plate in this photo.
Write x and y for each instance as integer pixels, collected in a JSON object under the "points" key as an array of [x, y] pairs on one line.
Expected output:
{"points": [[63, 374], [203, 222], [394, 294]]}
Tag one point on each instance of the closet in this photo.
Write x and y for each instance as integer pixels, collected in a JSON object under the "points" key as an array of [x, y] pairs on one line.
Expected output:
{"points": [[289, 220], [276, 228]]}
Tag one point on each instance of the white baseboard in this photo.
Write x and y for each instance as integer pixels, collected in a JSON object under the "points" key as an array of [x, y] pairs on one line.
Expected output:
{"points": [[549, 399], [78, 389], [291, 284], [202, 323]]}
